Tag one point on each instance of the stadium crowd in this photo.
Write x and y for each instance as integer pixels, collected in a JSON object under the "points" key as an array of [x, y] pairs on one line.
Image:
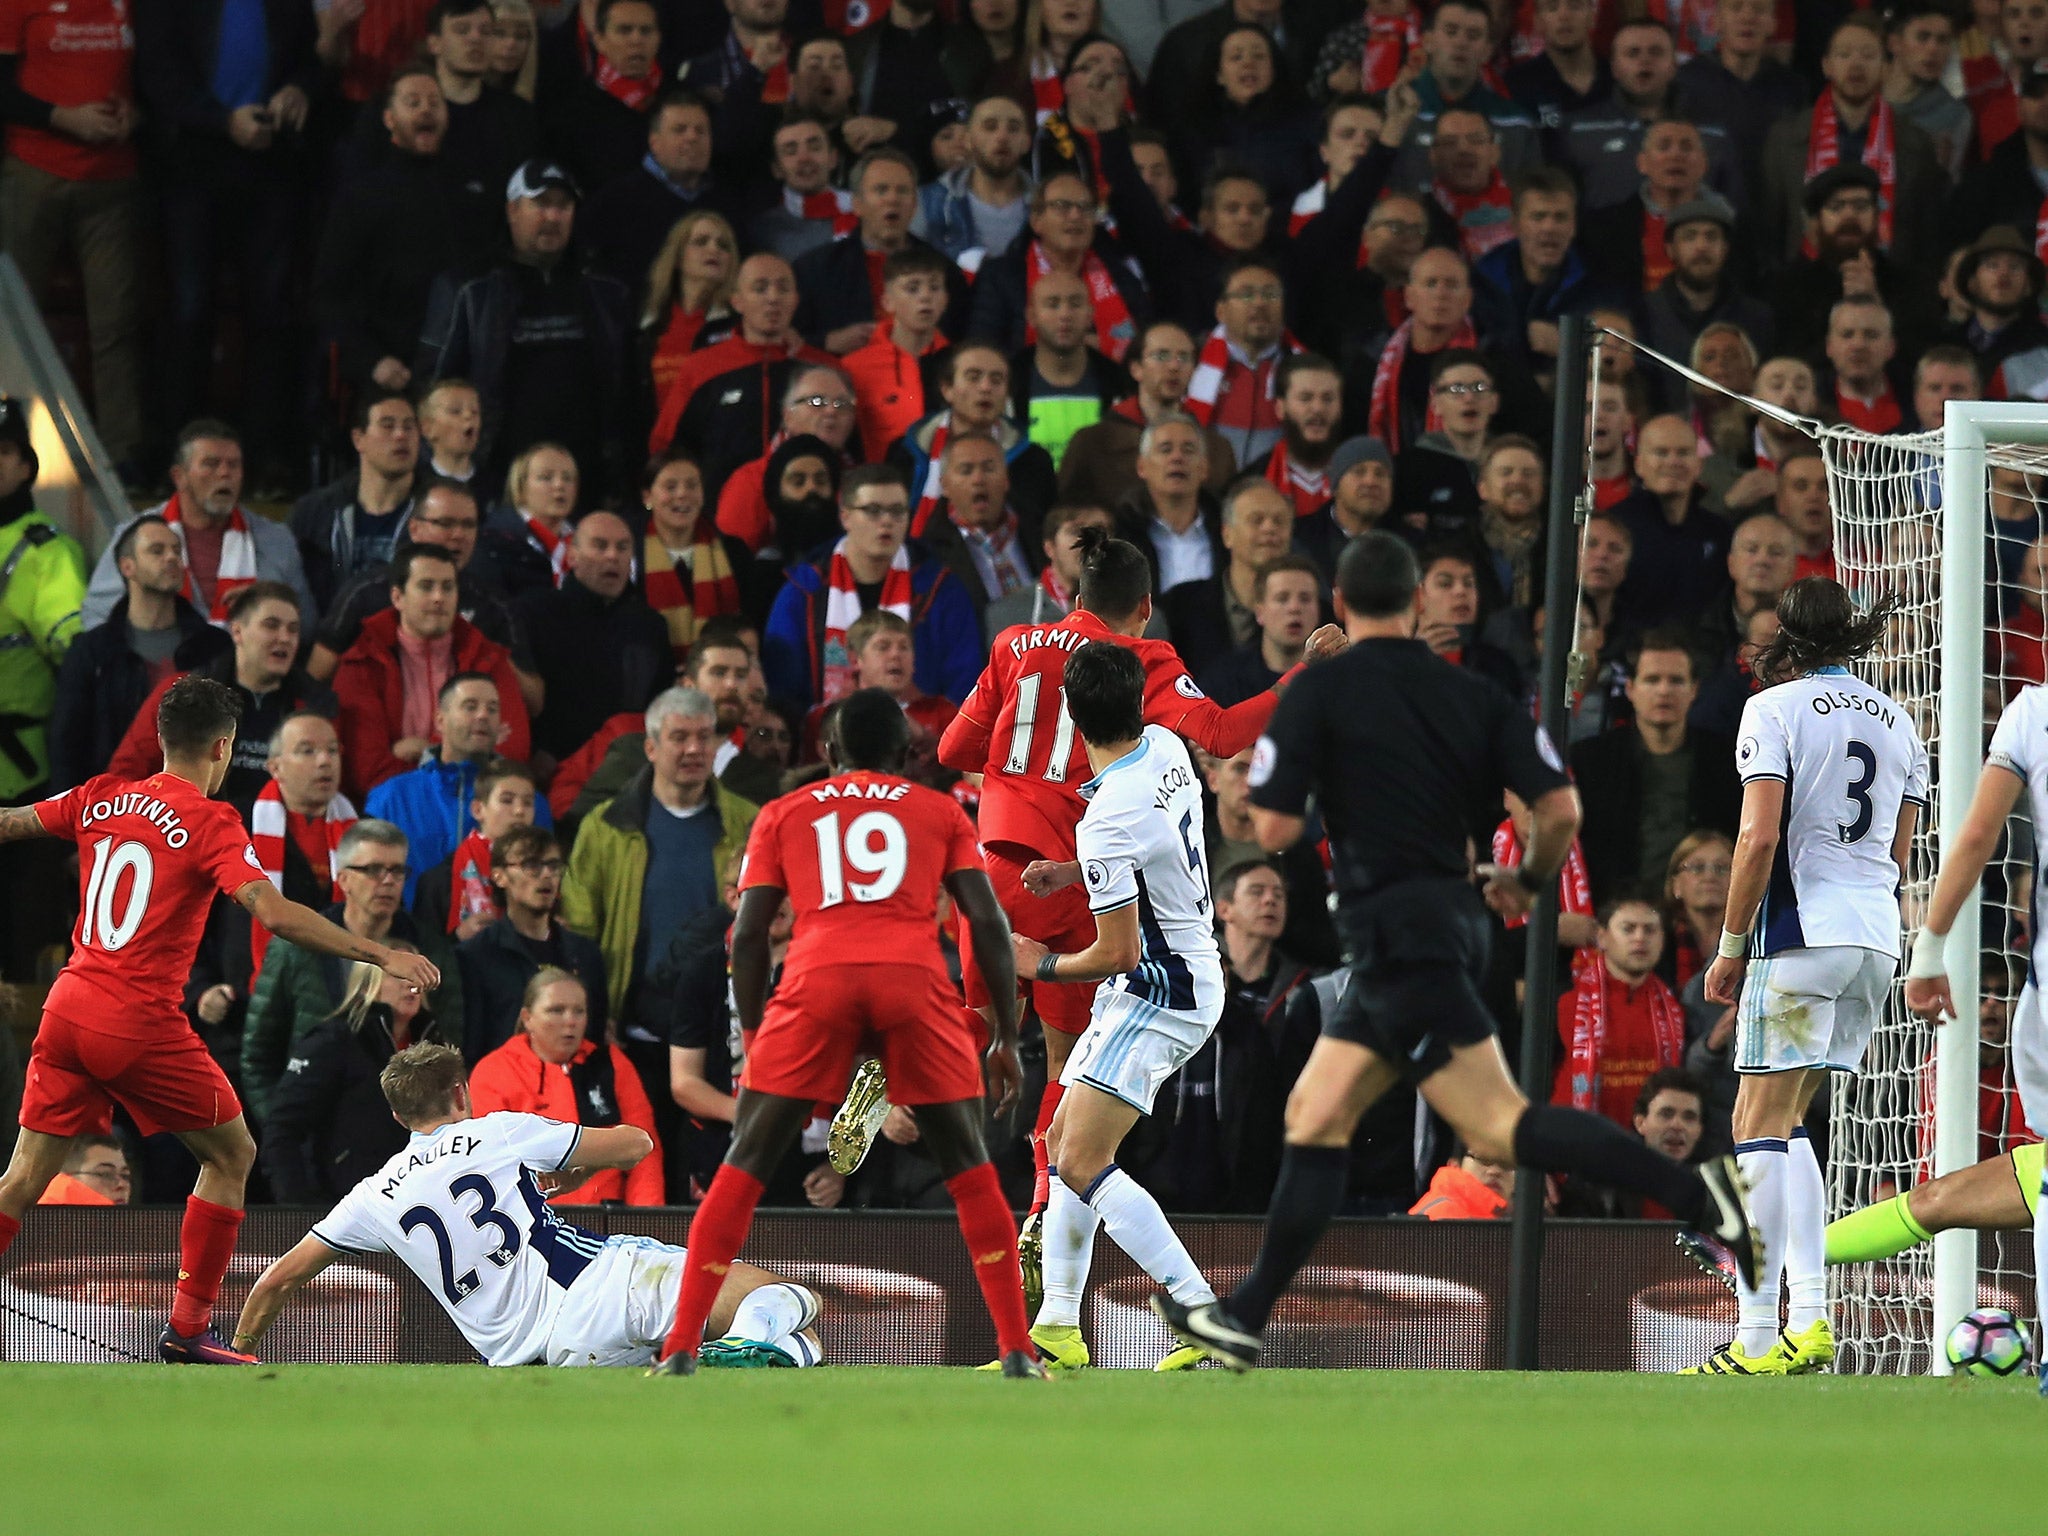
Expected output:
{"points": [[538, 386]]}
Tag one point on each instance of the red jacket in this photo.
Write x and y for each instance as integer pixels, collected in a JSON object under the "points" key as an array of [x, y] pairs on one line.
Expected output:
{"points": [[370, 684], [513, 1077], [707, 363], [65, 1190], [1454, 1195], [575, 769]]}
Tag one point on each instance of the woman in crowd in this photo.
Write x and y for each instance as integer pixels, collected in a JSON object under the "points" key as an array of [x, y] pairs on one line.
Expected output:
{"points": [[691, 570], [1256, 119], [687, 292], [513, 63], [1051, 29], [549, 1068], [1695, 896], [526, 541], [984, 54]]}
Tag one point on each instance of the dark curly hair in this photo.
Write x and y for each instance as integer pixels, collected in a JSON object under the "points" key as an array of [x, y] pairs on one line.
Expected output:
{"points": [[1818, 626]]}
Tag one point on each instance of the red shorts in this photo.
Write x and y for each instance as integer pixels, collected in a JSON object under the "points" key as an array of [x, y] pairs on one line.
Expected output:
{"points": [[76, 1076], [1060, 922], [819, 1020]]}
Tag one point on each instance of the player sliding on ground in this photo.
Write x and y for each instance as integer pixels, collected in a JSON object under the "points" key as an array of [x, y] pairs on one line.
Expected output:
{"points": [[1141, 859], [1834, 778], [152, 852], [464, 1205], [1407, 757], [862, 857]]}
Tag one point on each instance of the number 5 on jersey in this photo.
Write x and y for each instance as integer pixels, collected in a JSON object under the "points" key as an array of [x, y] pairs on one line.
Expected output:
{"points": [[98, 925]]}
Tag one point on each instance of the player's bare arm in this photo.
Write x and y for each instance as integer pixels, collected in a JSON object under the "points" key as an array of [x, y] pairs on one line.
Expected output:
{"points": [[1511, 890], [287, 919], [1756, 844], [1327, 641], [1962, 866], [1117, 949], [989, 930], [20, 821], [1276, 831], [1042, 877], [599, 1148], [756, 915], [276, 1286]]}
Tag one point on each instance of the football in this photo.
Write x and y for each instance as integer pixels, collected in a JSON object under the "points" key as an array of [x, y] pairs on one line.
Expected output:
{"points": [[1989, 1342]]}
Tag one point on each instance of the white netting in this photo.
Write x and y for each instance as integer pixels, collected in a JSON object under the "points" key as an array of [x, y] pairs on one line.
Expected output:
{"points": [[1886, 496]]}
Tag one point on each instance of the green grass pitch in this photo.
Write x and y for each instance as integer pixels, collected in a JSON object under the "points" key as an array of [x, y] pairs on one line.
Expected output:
{"points": [[455, 1450]]}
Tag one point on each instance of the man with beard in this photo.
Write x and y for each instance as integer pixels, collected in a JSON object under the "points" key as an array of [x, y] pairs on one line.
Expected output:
{"points": [[1698, 291], [982, 204], [1539, 276], [1062, 383], [1361, 478], [1849, 261], [818, 402], [1628, 245], [1101, 464], [2001, 276], [1310, 407]]}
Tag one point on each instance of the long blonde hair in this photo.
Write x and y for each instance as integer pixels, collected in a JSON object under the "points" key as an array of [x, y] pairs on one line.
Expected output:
{"points": [[361, 983], [665, 276]]}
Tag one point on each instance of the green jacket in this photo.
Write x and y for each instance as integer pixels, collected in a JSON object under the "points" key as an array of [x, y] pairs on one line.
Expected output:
{"points": [[601, 890], [42, 585], [298, 989]]}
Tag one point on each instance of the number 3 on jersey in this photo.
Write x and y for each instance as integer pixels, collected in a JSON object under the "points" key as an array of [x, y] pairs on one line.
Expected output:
{"points": [[1022, 733], [874, 845], [98, 924]]}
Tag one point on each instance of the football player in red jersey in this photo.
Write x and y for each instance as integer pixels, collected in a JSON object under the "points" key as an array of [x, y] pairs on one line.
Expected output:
{"points": [[862, 857], [1014, 730], [152, 852]]}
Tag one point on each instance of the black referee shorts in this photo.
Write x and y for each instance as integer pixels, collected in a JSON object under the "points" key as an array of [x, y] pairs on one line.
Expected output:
{"points": [[1419, 954]]}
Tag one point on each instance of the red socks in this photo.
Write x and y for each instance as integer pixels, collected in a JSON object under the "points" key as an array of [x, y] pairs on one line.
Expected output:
{"points": [[10, 1229], [1041, 1183], [716, 1232], [206, 1241], [991, 1233]]}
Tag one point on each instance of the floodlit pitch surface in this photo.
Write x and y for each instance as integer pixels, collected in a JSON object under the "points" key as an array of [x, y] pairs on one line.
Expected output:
{"points": [[149, 1450]]}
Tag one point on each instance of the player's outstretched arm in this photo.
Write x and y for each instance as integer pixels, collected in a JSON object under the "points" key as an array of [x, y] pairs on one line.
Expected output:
{"points": [[1962, 866], [989, 931], [276, 1285], [20, 821], [1117, 949], [598, 1149], [1756, 844], [1511, 889], [758, 906], [303, 926]]}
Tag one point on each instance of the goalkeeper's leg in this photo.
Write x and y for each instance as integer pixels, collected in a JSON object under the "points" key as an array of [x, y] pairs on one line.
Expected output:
{"points": [[1997, 1195]]}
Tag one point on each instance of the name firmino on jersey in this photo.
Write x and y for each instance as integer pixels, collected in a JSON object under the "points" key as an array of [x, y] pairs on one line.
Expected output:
{"points": [[148, 807], [1065, 639], [1856, 703]]}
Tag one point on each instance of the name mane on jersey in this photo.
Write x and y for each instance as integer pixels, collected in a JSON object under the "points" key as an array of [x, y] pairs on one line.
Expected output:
{"points": [[1174, 778], [846, 789], [148, 807], [454, 1146], [1856, 703], [1031, 639]]}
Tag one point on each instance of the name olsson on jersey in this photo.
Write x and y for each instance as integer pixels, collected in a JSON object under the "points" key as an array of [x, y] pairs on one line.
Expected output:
{"points": [[1856, 703]]}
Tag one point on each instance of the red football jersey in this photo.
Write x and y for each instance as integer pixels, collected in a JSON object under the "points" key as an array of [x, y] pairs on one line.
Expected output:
{"points": [[1014, 729], [151, 854], [863, 857]]}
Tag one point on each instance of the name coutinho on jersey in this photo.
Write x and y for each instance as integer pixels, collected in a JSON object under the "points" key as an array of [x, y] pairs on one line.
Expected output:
{"points": [[1856, 703], [148, 807], [1031, 639]]}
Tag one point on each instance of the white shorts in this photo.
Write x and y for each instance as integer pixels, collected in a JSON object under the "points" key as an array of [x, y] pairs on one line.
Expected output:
{"points": [[2028, 1046], [1811, 1008], [620, 1309], [1130, 1047]]}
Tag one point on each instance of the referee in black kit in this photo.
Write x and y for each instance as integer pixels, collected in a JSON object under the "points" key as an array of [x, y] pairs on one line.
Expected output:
{"points": [[1407, 756]]}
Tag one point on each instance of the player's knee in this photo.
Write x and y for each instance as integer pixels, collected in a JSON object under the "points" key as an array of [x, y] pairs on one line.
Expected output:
{"points": [[1493, 1139], [234, 1156], [1081, 1168], [1316, 1120]]}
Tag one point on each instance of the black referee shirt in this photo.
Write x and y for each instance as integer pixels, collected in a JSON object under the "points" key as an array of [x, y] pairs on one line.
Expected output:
{"points": [[1406, 755]]}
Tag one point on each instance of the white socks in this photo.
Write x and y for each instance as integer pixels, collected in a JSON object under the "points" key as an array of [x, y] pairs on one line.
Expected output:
{"points": [[1806, 1225], [1069, 1236], [1763, 1164], [1140, 1229], [777, 1314]]}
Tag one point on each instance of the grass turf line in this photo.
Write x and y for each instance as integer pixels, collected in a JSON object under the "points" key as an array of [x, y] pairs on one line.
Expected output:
{"points": [[312, 1449]]}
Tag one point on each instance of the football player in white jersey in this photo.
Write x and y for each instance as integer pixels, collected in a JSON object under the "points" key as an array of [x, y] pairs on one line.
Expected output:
{"points": [[1140, 856], [465, 1207], [1834, 780]]}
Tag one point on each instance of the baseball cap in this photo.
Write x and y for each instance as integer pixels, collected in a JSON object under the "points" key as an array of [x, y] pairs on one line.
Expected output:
{"points": [[538, 176]]}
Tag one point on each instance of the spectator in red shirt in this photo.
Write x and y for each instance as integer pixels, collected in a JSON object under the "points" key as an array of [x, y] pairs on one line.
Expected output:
{"points": [[1619, 1023], [885, 657], [69, 188]]}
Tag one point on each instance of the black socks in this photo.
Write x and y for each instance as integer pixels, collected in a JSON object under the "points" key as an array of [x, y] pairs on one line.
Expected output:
{"points": [[1570, 1141], [1306, 1196]]}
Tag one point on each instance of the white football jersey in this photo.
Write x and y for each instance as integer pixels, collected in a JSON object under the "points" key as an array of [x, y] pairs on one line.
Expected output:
{"points": [[460, 1207], [1849, 758], [1140, 840], [2019, 745]]}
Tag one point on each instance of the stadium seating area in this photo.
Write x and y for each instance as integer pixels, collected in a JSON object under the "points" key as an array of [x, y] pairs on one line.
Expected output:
{"points": [[492, 366]]}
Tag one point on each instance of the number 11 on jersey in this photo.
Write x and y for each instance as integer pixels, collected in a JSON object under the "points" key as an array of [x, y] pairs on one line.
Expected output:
{"points": [[1021, 733]]}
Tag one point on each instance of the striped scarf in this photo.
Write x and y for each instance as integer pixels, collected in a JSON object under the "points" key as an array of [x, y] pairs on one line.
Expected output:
{"points": [[1048, 91], [710, 592], [1589, 1026], [237, 559], [827, 203], [554, 545], [1574, 887], [842, 607], [1388, 42], [1114, 328], [1824, 149], [469, 884], [928, 493], [270, 827], [1383, 412], [1306, 488], [1212, 367]]}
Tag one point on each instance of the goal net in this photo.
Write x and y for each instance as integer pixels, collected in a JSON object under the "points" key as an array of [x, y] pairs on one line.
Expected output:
{"points": [[1909, 515]]}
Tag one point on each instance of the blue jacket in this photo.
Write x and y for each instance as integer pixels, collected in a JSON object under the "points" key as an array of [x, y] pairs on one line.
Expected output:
{"points": [[946, 215], [430, 805], [944, 630]]}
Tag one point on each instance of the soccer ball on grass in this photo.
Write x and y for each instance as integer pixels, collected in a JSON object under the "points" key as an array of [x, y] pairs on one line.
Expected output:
{"points": [[1989, 1342]]}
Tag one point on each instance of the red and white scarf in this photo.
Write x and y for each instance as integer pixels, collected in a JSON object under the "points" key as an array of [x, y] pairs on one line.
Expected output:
{"points": [[1212, 366], [1695, 25], [1048, 95], [469, 884], [1383, 411], [1574, 889], [842, 607], [1114, 328], [1054, 588], [1485, 219], [633, 93], [826, 203], [1388, 42], [1309, 206], [237, 558], [1589, 1026], [928, 493], [550, 543], [2041, 230], [270, 828], [1824, 149], [1306, 488]]}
